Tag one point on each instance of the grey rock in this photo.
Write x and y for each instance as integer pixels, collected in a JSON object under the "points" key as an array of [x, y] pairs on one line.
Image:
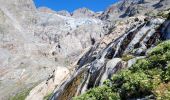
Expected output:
{"points": [[133, 61], [111, 67]]}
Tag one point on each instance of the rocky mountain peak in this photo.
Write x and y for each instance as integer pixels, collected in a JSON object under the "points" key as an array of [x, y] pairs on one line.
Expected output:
{"points": [[46, 10], [83, 12]]}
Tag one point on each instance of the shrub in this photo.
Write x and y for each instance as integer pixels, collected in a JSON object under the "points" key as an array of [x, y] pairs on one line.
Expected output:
{"points": [[100, 93], [162, 92]]}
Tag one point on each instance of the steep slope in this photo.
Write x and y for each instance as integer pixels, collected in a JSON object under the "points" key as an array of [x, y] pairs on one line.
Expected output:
{"points": [[23, 57]]}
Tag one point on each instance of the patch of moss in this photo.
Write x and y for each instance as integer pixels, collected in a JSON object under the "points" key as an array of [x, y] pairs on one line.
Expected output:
{"points": [[22, 95], [127, 57], [47, 97], [164, 14]]}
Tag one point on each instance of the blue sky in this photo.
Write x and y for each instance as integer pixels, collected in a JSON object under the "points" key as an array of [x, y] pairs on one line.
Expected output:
{"points": [[71, 5]]}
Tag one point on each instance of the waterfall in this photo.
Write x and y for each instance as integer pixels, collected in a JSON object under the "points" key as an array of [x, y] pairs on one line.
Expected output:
{"points": [[92, 71]]}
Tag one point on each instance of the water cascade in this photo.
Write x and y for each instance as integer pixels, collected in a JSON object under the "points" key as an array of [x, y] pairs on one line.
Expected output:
{"points": [[96, 66]]}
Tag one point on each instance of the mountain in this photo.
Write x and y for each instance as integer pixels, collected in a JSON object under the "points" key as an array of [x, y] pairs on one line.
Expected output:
{"points": [[128, 8], [59, 55]]}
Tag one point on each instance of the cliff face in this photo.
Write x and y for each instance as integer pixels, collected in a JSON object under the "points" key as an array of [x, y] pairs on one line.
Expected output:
{"points": [[41, 44]]}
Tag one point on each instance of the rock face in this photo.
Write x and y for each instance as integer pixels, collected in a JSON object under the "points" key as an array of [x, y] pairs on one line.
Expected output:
{"points": [[166, 30], [38, 44]]}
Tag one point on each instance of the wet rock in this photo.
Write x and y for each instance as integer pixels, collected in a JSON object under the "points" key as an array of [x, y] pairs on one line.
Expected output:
{"points": [[133, 61], [140, 52], [112, 66], [166, 30], [71, 87]]}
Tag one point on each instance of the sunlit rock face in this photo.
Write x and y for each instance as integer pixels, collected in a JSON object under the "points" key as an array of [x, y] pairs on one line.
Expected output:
{"points": [[24, 58], [21, 10]]}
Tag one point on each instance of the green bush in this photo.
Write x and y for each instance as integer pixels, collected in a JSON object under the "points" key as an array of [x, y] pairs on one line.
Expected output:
{"points": [[101, 93], [22, 95], [161, 48], [47, 97]]}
